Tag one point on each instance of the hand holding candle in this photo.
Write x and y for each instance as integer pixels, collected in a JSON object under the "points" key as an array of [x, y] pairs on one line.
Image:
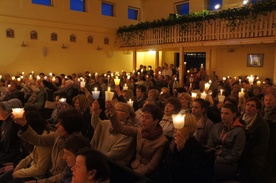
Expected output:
{"points": [[18, 112]]}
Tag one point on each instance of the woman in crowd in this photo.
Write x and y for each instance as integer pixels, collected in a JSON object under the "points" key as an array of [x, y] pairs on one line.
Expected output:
{"points": [[173, 106], [228, 140], [70, 122], [185, 100], [204, 124], [91, 167], [82, 104], [115, 146], [257, 138], [186, 160], [139, 113], [150, 139]]}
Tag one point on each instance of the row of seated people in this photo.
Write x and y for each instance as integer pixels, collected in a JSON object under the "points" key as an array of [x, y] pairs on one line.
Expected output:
{"points": [[152, 134]]}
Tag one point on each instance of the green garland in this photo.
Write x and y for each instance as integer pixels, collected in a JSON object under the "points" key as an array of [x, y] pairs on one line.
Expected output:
{"points": [[233, 16]]}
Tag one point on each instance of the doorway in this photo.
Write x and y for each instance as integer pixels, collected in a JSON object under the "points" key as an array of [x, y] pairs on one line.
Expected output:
{"points": [[192, 59]]}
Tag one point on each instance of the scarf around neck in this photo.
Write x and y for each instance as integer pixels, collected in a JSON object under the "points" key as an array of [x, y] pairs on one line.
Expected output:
{"points": [[153, 134]]}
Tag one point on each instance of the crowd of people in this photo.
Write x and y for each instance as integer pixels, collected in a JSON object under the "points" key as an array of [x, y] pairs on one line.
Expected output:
{"points": [[229, 131]]}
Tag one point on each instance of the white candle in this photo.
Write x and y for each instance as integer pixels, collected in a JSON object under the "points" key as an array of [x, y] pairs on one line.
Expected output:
{"points": [[258, 83], [178, 121], [96, 93], [0, 76], [203, 95], [82, 84], [117, 81], [50, 74], [17, 112], [221, 98], [62, 100], [221, 90], [159, 72], [53, 79], [130, 102], [241, 93], [13, 78], [194, 95], [207, 86], [125, 87], [96, 74]]}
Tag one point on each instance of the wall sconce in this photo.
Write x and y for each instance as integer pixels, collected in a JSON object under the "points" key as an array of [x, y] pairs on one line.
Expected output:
{"points": [[23, 44], [63, 46], [99, 48]]}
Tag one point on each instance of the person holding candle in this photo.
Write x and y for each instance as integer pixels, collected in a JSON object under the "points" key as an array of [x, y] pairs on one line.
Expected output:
{"points": [[228, 140], [115, 146], [185, 159], [10, 143], [70, 123], [204, 124], [173, 106], [150, 140], [257, 137]]}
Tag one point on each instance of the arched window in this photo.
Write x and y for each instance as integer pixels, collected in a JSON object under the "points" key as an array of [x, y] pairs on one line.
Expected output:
{"points": [[73, 38], [10, 33], [90, 39], [54, 36], [106, 40], [33, 35]]}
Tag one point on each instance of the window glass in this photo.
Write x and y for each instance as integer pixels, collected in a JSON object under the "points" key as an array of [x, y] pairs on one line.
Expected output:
{"points": [[77, 5], [133, 13], [182, 8], [107, 9], [214, 3], [42, 2]]}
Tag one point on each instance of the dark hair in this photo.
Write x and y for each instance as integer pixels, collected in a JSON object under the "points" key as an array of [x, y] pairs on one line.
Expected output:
{"points": [[155, 111], [232, 100], [201, 102], [71, 120], [95, 160], [230, 106], [35, 120], [256, 100], [142, 88], [76, 142], [176, 103]]}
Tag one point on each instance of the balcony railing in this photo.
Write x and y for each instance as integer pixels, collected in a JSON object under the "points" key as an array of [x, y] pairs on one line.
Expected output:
{"points": [[211, 30]]}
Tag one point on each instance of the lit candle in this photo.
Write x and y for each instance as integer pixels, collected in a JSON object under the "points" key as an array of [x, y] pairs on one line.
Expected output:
{"points": [[17, 112], [251, 79], [108, 94], [221, 98], [62, 100], [258, 83], [54, 78], [108, 89], [178, 121], [125, 87], [38, 77], [0, 76], [239, 81], [201, 65], [82, 84], [224, 79], [96, 74], [117, 81], [159, 72], [221, 90], [203, 95], [207, 86], [13, 78], [32, 72], [241, 93], [194, 95], [18, 79], [130, 102], [96, 93], [23, 73], [50, 74]]}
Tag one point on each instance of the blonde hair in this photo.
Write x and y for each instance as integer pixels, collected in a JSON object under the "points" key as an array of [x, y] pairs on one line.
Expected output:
{"points": [[190, 123], [128, 109], [186, 96]]}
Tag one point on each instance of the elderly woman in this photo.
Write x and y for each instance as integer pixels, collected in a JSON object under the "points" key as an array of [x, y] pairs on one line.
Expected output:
{"points": [[115, 146], [70, 122], [150, 140], [173, 106], [91, 167], [228, 140], [185, 160]]}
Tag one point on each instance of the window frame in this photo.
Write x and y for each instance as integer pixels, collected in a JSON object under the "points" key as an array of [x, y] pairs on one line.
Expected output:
{"points": [[135, 9], [180, 3], [78, 10], [43, 4], [113, 8]]}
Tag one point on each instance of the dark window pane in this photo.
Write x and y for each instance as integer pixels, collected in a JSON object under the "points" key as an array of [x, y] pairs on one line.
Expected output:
{"points": [[42, 2], [132, 14], [77, 5], [107, 9], [182, 9]]}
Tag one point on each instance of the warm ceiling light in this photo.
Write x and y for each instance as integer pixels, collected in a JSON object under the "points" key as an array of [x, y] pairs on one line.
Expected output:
{"points": [[245, 2], [151, 51]]}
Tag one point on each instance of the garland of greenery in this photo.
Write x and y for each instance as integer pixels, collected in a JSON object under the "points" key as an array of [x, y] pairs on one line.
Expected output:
{"points": [[232, 16]]}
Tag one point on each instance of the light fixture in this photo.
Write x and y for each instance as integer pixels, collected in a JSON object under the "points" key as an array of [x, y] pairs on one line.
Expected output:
{"points": [[23, 44], [99, 48], [217, 6], [245, 2], [63, 46]]}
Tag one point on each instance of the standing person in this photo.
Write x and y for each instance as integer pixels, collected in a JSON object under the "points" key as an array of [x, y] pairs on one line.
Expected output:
{"points": [[228, 140], [91, 167], [204, 124], [9, 143], [150, 140], [257, 138], [70, 122]]}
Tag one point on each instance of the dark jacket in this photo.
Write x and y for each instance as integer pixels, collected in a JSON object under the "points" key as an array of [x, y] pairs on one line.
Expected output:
{"points": [[254, 155]]}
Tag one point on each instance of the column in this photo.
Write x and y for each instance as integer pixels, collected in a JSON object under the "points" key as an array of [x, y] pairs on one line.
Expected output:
{"points": [[181, 66]]}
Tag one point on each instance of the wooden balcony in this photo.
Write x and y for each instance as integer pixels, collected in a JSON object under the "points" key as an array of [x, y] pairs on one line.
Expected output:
{"points": [[215, 32]]}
